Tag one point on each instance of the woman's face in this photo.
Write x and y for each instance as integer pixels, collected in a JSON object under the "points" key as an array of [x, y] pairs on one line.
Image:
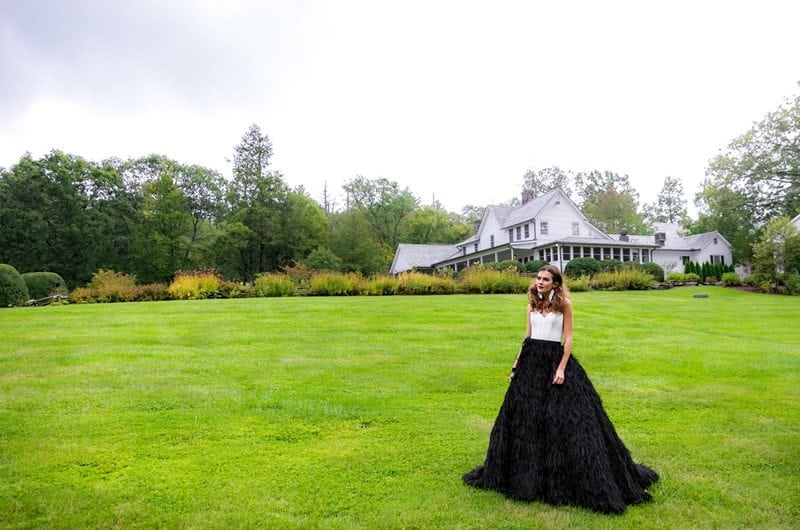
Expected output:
{"points": [[544, 282]]}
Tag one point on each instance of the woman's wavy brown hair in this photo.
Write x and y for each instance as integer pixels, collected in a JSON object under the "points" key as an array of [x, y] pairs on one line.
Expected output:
{"points": [[560, 293]]}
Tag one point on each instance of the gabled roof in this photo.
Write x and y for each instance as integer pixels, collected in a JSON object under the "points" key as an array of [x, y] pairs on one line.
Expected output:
{"points": [[410, 255], [530, 209], [676, 242], [499, 212]]}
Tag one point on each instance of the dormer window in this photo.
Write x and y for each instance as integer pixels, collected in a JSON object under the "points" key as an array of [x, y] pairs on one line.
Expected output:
{"points": [[543, 228]]}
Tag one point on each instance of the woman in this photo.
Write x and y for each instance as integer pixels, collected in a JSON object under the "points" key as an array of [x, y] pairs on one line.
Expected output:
{"points": [[552, 441]]}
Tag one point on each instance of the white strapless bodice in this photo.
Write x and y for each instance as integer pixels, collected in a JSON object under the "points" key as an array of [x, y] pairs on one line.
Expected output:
{"points": [[547, 327]]}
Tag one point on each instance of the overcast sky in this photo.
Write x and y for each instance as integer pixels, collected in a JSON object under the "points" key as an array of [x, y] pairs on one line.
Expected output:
{"points": [[453, 99]]}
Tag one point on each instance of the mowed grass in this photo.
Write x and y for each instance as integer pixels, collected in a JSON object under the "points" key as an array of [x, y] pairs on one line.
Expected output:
{"points": [[364, 412]]}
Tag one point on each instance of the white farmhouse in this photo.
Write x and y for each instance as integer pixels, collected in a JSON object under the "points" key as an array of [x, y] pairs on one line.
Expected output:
{"points": [[552, 228]]}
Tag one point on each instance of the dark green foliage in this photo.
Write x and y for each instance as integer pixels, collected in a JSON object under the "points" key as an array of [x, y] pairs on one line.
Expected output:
{"points": [[655, 270], [507, 264], [534, 265], [42, 284], [322, 259], [13, 291], [582, 267], [610, 265]]}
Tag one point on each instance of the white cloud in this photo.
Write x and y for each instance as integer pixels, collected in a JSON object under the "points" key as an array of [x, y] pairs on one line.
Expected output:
{"points": [[455, 99]]}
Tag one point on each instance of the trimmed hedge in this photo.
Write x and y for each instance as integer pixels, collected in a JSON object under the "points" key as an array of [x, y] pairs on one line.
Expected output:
{"points": [[655, 270], [582, 267], [13, 291], [534, 265], [43, 284]]}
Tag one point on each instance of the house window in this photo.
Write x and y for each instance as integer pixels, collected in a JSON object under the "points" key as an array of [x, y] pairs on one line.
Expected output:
{"points": [[527, 231], [715, 258], [715, 240], [576, 229], [566, 253], [491, 241], [645, 255], [626, 256], [519, 233], [606, 253], [541, 254], [476, 247], [510, 235], [616, 253], [598, 253], [543, 228], [587, 252], [635, 254], [685, 259], [547, 255]]}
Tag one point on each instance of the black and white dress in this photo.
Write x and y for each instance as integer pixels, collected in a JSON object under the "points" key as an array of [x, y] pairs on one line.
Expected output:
{"points": [[555, 443]]}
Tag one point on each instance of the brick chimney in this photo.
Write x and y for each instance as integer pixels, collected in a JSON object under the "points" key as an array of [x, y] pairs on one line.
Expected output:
{"points": [[527, 196], [623, 234]]}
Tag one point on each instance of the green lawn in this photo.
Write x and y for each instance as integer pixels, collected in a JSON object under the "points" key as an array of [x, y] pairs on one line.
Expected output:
{"points": [[365, 412]]}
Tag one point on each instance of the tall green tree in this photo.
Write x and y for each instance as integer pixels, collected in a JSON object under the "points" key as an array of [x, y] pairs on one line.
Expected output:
{"points": [[776, 253], [432, 224], [763, 164], [610, 202], [354, 242], [251, 160], [541, 181], [721, 208], [385, 206], [162, 241], [57, 214], [670, 205]]}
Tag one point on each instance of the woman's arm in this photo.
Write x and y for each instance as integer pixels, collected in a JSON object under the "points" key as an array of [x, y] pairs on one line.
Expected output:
{"points": [[558, 378]]}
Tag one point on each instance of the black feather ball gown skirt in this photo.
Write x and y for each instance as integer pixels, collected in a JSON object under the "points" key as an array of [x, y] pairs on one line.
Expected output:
{"points": [[555, 443]]}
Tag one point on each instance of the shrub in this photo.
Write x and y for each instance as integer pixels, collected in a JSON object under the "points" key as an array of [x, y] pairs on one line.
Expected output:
{"points": [[194, 285], [107, 286], [380, 285], [512, 264], [609, 265], [582, 267], [229, 289], [676, 277], [332, 284], [577, 285], [535, 265], [628, 279], [419, 283], [655, 270], [482, 280], [151, 292], [322, 259], [13, 291], [792, 282], [691, 277], [730, 279], [274, 285], [711, 280], [43, 284]]}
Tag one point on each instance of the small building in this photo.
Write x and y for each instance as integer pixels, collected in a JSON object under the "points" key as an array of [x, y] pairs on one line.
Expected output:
{"points": [[552, 228]]}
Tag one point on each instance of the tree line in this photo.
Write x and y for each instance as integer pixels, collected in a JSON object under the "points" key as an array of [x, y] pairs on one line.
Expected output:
{"points": [[153, 216]]}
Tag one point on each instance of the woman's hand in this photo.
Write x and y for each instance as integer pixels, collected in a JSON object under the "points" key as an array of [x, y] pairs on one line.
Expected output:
{"points": [[558, 379]]}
